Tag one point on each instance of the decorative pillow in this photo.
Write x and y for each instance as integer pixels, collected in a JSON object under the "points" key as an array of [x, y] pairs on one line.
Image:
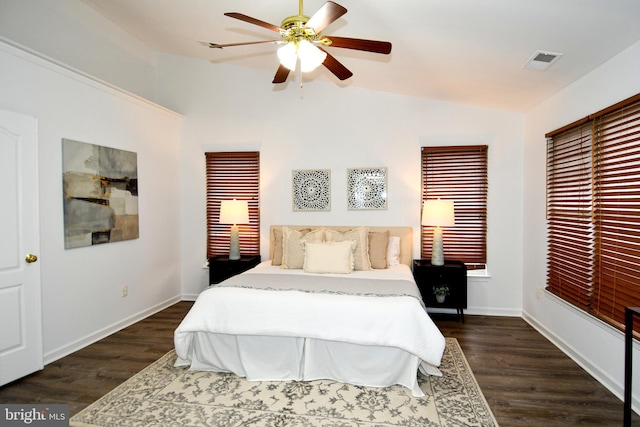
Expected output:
{"points": [[292, 248], [276, 256], [328, 257], [393, 251], [378, 244], [359, 235]]}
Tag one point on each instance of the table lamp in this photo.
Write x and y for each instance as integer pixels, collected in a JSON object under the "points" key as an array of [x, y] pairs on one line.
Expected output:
{"points": [[437, 213], [234, 212]]}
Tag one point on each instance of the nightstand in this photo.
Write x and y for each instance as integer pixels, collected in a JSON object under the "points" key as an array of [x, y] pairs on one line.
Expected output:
{"points": [[221, 267], [451, 275]]}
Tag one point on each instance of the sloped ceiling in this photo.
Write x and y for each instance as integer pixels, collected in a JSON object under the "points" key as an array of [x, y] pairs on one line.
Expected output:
{"points": [[467, 51]]}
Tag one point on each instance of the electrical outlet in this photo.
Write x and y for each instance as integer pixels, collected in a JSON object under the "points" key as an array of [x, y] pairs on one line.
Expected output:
{"points": [[125, 291], [538, 292]]}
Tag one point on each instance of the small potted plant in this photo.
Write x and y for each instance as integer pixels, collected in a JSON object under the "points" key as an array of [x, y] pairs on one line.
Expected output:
{"points": [[441, 293]]}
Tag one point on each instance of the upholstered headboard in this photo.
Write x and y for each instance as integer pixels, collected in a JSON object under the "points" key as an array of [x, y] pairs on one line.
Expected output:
{"points": [[405, 234]]}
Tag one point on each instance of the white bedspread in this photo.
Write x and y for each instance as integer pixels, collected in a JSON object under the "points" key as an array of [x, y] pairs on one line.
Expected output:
{"points": [[375, 318]]}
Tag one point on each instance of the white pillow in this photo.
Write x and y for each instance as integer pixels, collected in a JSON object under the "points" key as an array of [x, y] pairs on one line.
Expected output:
{"points": [[292, 246], [393, 251], [328, 257], [358, 235]]}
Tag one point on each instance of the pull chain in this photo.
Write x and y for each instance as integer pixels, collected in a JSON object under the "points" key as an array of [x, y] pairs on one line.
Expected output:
{"points": [[300, 76]]}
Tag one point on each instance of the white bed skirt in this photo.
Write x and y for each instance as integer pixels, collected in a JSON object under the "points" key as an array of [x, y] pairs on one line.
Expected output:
{"points": [[267, 358]]}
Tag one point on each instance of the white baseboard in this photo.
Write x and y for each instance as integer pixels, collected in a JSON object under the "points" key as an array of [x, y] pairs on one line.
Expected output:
{"points": [[480, 311], [60, 352], [494, 311], [189, 297]]}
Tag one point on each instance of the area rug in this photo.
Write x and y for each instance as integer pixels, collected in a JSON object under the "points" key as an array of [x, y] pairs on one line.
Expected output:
{"points": [[162, 396]]}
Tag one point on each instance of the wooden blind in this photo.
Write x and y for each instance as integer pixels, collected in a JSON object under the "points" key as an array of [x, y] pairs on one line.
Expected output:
{"points": [[458, 173], [617, 213], [593, 204], [233, 175], [569, 216]]}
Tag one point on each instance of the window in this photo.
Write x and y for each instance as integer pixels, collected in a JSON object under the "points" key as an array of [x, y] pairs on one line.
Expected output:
{"points": [[233, 175], [569, 214], [458, 173], [593, 212]]}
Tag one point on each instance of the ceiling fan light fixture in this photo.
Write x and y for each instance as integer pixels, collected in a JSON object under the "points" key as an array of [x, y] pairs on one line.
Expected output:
{"points": [[288, 56], [310, 56], [300, 36]]}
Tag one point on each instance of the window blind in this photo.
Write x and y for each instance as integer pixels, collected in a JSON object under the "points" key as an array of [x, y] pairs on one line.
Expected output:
{"points": [[233, 175], [593, 207], [458, 173], [617, 213], [569, 216]]}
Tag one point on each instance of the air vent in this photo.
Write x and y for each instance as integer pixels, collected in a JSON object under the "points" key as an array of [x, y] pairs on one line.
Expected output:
{"points": [[541, 60]]}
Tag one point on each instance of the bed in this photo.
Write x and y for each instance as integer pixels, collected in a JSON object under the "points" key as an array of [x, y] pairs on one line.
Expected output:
{"points": [[323, 307]]}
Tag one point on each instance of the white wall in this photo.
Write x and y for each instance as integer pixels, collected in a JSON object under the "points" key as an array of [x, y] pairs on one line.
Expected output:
{"points": [[596, 346], [323, 126], [81, 288], [75, 35]]}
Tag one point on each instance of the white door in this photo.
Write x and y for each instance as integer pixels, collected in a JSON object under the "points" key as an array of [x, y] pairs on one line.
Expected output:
{"points": [[20, 307]]}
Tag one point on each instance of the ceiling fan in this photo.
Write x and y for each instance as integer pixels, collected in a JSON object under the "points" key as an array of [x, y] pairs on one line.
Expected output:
{"points": [[303, 43]]}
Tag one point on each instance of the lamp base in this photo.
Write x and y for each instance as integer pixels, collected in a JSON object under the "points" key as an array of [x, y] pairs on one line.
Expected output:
{"points": [[437, 255], [234, 244]]}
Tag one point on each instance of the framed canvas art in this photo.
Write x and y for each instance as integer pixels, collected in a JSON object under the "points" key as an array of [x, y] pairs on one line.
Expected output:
{"points": [[100, 194]]}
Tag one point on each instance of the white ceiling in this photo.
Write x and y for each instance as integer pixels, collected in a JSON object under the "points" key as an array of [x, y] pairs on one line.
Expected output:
{"points": [[467, 51]]}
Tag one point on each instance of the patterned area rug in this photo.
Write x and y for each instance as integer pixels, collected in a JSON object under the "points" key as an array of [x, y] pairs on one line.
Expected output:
{"points": [[163, 395]]}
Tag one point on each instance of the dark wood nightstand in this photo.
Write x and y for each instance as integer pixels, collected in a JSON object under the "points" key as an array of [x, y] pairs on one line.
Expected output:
{"points": [[452, 276], [221, 267]]}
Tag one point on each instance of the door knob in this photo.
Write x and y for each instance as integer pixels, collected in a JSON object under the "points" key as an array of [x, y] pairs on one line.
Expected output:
{"points": [[31, 258]]}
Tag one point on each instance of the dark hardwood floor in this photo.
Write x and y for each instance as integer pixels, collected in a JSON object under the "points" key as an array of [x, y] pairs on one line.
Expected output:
{"points": [[86, 375], [526, 380]]}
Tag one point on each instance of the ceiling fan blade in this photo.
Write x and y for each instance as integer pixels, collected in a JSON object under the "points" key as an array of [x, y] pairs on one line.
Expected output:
{"points": [[360, 44], [328, 13], [333, 65], [254, 21], [281, 74], [220, 46]]}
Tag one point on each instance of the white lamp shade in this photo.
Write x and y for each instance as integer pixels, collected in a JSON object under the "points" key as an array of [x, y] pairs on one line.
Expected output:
{"points": [[438, 213], [234, 212], [288, 56], [310, 56]]}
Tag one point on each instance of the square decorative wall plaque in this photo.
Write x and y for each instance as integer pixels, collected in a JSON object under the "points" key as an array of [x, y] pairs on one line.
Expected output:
{"points": [[366, 188], [311, 190]]}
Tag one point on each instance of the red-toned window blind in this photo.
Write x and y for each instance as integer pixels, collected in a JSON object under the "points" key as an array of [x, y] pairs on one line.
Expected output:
{"points": [[458, 173], [233, 175], [593, 208], [570, 216]]}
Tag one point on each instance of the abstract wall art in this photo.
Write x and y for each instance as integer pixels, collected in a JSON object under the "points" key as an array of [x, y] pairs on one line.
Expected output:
{"points": [[366, 188], [100, 191], [311, 190]]}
